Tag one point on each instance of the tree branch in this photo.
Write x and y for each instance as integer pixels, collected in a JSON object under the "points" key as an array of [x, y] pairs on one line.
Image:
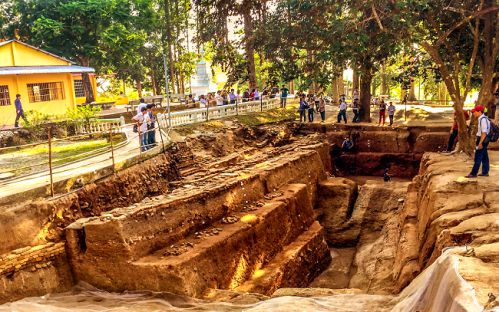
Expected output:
{"points": [[465, 20]]}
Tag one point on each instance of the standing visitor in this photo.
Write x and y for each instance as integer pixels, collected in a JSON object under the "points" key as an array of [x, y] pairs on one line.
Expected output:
{"points": [[317, 101], [203, 102], [482, 142], [141, 105], [303, 108], [151, 127], [246, 95], [311, 109], [355, 109], [141, 121], [391, 112], [322, 110], [284, 96], [219, 98], [382, 110], [265, 93], [232, 97], [256, 94], [19, 111], [343, 110], [454, 131], [355, 95]]}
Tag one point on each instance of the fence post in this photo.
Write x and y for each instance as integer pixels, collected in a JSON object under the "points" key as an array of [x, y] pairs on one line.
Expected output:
{"points": [[112, 147], [237, 108], [207, 110], [161, 135], [50, 161], [140, 140], [261, 103]]}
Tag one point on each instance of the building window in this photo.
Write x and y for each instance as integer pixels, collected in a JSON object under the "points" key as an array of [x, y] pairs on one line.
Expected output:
{"points": [[79, 90], [4, 96], [46, 91]]}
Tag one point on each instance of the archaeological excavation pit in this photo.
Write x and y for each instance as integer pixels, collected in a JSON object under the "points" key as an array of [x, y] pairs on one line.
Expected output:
{"points": [[276, 212]]}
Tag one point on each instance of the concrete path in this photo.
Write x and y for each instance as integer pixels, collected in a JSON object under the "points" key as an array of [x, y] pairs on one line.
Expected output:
{"points": [[123, 153]]}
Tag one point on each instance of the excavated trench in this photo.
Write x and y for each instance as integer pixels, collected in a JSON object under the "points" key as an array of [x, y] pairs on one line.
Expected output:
{"points": [[276, 211]]}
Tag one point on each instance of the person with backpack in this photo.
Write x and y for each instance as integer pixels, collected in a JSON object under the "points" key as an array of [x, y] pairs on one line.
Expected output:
{"points": [[482, 142]]}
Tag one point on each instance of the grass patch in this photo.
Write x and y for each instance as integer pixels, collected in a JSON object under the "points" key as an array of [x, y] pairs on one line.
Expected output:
{"points": [[33, 159], [268, 117]]}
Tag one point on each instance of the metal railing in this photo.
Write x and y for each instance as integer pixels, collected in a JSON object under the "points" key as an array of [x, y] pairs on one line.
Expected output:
{"points": [[101, 125], [192, 116]]}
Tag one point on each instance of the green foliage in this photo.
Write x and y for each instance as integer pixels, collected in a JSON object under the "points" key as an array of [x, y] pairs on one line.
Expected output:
{"points": [[82, 115], [36, 119]]}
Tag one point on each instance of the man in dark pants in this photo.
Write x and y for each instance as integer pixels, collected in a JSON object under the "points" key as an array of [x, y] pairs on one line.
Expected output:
{"points": [[151, 135], [19, 111], [482, 142]]}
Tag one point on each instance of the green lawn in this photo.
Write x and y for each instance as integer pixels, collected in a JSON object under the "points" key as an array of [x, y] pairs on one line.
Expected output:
{"points": [[33, 159]]}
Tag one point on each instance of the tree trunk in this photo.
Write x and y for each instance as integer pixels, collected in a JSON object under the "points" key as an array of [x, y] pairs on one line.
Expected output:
{"points": [[488, 58], [169, 41], [341, 86], [87, 84], [384, 82], [249, 48], [412, 91], [139, 87], [334, 87], [355, 81], [154, 84], [365, 95]]}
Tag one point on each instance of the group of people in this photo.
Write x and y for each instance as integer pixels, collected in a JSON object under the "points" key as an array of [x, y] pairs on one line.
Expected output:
{"points": [[309, 105], [145, 125], [357, 110], [382, 112], [225, 97]]}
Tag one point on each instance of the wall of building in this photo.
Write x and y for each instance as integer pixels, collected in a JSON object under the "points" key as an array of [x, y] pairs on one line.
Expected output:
{"points": [[18, 84]]}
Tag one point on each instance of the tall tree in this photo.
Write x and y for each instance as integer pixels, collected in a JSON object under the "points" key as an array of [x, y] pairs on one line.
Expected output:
{"points": [[453, 36]]}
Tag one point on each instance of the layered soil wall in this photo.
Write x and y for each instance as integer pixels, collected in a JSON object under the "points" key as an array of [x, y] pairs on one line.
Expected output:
{"points": [[33, 258], [376, 148]]}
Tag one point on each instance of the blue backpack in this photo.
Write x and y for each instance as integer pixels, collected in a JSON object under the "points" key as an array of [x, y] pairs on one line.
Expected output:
{"points": [[494, 132]]}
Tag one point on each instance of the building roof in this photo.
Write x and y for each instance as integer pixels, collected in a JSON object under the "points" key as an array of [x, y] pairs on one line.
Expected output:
{"points": [[25, 70], [35, 48]]}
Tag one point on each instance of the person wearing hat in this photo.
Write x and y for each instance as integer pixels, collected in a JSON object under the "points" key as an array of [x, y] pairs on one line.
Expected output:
{"points": [[482, 141]]}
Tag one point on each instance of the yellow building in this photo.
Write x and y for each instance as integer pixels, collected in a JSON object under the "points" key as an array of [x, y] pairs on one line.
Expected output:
{"points": [[46, 82]]}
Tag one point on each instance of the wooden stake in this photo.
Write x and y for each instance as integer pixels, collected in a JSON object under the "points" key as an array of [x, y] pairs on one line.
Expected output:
{"points": [[50, 161]]}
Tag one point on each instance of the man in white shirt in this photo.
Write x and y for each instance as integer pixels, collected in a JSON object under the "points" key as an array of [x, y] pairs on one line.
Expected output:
{"points": [[142, 120], [482, 142], [142, 104], [219, 99], [391, 112], [343, 111]]}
